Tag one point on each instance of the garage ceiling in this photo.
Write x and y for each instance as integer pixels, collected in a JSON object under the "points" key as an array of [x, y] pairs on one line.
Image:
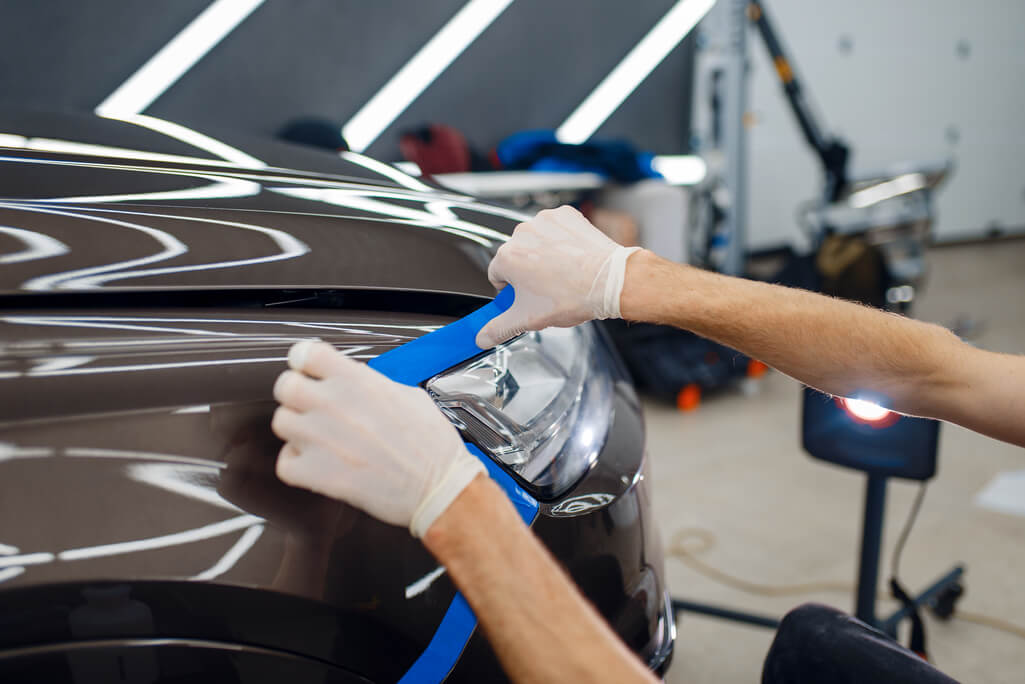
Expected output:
{"points": [[326, 58]]}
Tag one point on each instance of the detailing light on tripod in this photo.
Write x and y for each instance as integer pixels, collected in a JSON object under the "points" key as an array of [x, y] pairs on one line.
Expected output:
{"points": [[868, 412]]}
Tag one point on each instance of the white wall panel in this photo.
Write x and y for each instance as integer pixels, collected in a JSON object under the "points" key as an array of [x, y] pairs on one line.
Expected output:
{"points": [[899, 80]]}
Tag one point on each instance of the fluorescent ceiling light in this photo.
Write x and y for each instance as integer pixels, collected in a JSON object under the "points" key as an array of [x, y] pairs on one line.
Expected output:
{"points": [[420, 71], [174, 59], [680, 169], [635, 67]]}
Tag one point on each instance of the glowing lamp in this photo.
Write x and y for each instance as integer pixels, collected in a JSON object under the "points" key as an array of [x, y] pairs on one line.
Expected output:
{"points": [[868, 412]]}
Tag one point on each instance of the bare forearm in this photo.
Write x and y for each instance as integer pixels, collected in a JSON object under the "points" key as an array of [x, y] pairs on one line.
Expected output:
{"points": [[835, 346], [538, 623]]}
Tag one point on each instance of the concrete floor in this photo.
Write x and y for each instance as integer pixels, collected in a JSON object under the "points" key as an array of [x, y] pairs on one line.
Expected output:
{"points": [[735, 468]]}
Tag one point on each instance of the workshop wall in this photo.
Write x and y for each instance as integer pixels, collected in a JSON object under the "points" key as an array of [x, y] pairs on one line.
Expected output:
{"points": [[326, 58], [899, 81]]}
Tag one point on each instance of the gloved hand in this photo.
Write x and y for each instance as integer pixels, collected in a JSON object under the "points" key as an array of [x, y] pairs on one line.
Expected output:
{"points": [[353, 434], [565, 272]]}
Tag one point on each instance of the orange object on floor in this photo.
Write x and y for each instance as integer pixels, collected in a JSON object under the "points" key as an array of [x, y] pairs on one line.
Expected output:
{"points": [[756, 369], [688, 398]]}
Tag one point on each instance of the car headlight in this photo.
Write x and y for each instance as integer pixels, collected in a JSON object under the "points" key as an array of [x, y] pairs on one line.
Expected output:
{"points": [[540, 404]]}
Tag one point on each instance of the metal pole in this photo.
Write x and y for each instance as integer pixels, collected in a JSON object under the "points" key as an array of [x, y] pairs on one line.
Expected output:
{"points": [[871, 543], [735, 136]]}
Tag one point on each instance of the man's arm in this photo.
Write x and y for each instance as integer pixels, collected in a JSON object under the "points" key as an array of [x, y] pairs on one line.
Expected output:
{"points": [[566, 272], [540, 626], [352, 434], [836, 346]]}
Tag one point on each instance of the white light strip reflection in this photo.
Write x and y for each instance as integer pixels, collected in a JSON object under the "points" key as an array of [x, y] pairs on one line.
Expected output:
{"points": [[173, 247], [471, 231], [189, 137], [91, 150], [26, 559], [635, 67], [408, 167], [10, 573], [424, 583], [177, 57], [901, 185], [386, 170], [141, 456], [680, 169], [39, 246], [191, 481], [234, 554], [221, 188], [199, 534], [420, 71], [7, 550]]}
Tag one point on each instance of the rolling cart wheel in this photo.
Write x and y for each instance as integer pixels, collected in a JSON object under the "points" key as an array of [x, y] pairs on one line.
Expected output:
{"points": [[943, 605], [688, 398]]}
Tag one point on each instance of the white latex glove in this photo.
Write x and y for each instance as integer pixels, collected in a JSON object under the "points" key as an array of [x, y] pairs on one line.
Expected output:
{"points": [[353, 434], [564, 270]]}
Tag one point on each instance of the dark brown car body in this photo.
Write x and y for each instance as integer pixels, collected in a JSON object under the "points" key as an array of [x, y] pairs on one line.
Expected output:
{"points": [[149, 289]]}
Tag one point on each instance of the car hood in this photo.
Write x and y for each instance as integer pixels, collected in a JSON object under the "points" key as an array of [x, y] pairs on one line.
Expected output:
{"points": [[92, 204]]}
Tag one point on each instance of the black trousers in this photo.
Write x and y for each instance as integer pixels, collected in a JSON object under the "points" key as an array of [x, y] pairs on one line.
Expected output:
{"points": [[817, 644]]}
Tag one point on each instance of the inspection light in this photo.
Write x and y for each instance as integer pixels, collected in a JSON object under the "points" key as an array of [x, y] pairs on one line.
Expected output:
{"points": [[635, 67], [177, 57], [868, 412], [420, 71]]}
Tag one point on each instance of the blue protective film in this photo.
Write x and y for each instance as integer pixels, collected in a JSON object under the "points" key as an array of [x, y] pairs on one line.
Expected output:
{"points": [[411, 364]]}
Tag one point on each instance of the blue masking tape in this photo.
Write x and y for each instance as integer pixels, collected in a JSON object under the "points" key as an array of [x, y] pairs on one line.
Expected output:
{"points": [[411, 364], [457, 626], [426, 356]]}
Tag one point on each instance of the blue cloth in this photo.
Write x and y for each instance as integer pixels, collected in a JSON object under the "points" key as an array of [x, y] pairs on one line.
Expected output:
{"points": [[540, 150]]}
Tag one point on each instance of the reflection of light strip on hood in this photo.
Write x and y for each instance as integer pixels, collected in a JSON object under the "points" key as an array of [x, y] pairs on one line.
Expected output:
{"points": [[40, 246], [234, 554], [55, 281], [26, 559], [7, 550], [91, 150], [10, 573], [635, 67], [158, 366], [221, 188], [424, 583], [44, 365], [386, 170], [420, 71], [81, 452], [178, 56], [290, 247], [175, 478], [471, 231], [189, 137], [198, 534], [118, 322]]}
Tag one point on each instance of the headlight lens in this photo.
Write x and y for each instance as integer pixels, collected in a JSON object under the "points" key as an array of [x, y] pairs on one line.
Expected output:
{"points": [[539, 404]]}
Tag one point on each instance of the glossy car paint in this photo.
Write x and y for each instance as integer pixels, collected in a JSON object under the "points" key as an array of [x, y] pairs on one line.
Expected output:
{"points": [[146, 306]]}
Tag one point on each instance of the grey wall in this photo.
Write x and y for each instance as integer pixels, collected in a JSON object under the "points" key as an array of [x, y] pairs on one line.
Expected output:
{"points": [[327, 57]]}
